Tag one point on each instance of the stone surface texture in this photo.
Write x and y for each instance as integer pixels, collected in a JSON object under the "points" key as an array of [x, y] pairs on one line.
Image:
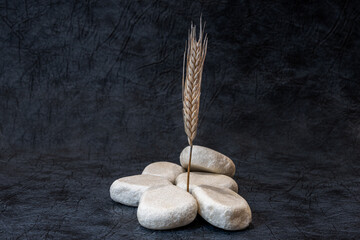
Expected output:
{"points": [[223, 208], [202, 178], [128, 190], [167, 170], [166, 207], [207, 160]]}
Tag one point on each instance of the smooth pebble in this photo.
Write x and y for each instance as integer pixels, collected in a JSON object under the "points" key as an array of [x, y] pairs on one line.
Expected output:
{"points": [[202, 178], [166, 207], [222, 208], [128, 190], [167, 170], [207, 160]]}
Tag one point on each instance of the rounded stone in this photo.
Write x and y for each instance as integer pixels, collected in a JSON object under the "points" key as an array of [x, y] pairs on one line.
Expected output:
{"points": [[128, 190], [166, 207], [222, 208], [207, 160], [202, 178], [167, 170]]}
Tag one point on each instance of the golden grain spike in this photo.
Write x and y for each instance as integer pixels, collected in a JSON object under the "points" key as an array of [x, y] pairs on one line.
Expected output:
{"points": [[191, 84]]}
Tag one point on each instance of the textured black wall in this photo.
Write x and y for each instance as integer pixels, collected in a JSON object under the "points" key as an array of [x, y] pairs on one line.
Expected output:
{"points": [[91, 91]]}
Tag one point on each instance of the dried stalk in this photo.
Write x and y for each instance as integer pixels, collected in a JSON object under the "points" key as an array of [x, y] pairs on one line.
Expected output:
{"points": [[191, 85]]}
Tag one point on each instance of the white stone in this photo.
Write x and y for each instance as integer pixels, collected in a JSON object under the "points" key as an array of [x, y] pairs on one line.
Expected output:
{"points": [[207, 160], [128, 190], [202, 178], [166, 207], [167, 170], [222, 208]]}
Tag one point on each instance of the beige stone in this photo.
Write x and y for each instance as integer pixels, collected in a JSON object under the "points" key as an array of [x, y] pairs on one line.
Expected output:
{"points": [[167, 170], [207, 160], [128, 190], [222, 208], [166, 207], [202, 178]]}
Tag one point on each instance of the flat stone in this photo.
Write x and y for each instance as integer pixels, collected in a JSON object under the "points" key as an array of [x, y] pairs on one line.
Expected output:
{"points": [[166, 207], [167, 170], [202, 178], [222, 208], [128, 190], [207, 160]]}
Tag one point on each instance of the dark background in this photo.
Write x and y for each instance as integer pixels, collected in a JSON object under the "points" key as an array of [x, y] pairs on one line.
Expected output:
{"points": [[90, 91]]}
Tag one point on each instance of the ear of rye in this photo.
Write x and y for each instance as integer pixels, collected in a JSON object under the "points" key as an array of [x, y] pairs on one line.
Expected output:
{"points": [[191, 85]]}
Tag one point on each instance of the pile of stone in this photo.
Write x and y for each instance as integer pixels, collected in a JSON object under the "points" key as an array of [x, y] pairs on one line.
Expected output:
{"points": [[163, 202]]}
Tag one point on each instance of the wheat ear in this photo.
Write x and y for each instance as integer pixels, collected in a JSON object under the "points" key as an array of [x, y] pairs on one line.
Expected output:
{"points": [[191, 86]]}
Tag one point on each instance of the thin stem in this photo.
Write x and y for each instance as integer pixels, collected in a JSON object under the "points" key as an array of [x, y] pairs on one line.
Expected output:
{"points": [[188, 170]]}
